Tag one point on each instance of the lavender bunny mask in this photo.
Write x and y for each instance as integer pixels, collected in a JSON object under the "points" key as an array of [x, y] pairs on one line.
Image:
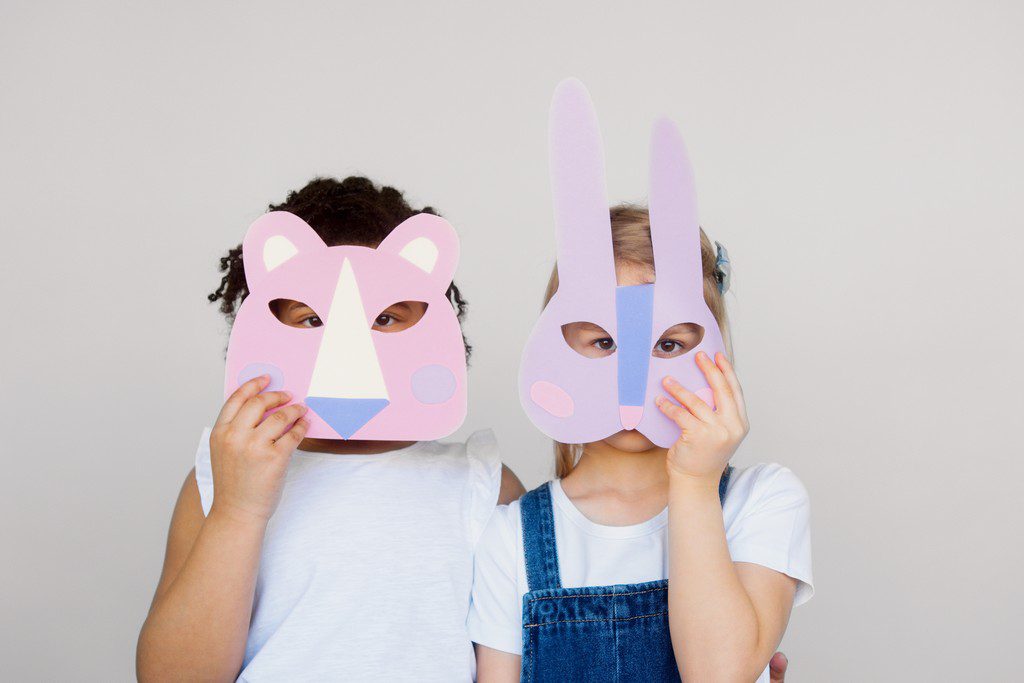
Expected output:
{"points": [[573, 398]]}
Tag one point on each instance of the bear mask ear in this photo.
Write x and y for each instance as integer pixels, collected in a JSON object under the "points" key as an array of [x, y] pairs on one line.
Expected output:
{"points": [[274, 238], [429, 243]]}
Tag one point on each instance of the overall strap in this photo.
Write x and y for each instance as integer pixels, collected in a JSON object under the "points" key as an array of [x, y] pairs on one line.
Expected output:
{"points": [[723, 483], [539, 545]]}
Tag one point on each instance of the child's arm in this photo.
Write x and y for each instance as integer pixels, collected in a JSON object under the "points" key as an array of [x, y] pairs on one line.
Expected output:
{"points": [[511, 487], [495, 666], [726, 618], [495, 612], [199, 619]]}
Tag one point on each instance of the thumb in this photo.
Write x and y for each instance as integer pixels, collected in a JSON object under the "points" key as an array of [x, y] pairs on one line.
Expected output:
{"points": [[777, 667]]}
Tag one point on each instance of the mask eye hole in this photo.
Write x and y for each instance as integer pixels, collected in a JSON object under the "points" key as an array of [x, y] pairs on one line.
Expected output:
{"points": [[588, 339], [400, 316], [678, 340], [295, 313]]}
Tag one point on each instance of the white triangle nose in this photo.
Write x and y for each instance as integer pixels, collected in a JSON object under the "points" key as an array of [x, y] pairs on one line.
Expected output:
{"points": [[347, 364]]}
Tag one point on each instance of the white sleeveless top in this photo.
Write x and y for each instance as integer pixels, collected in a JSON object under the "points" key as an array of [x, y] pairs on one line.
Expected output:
{"points": [[367, 563]]}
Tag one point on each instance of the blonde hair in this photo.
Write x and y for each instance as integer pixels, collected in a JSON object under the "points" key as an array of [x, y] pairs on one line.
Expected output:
{"points": [[631, 242]]}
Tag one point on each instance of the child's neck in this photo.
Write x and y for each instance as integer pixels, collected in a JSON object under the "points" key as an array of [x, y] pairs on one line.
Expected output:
{"points": [[618, 488], [340, 447]]}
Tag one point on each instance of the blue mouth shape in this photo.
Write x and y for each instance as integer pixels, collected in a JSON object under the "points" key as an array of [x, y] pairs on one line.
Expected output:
{"points": [[346, 415]]}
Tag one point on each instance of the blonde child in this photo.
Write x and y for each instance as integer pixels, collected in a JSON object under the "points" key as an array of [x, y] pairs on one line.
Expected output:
{"points": [[639, 562]]}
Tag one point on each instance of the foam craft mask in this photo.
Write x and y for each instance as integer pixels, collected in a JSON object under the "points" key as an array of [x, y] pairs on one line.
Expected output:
{"points": [[359, 383], [576, 399]]}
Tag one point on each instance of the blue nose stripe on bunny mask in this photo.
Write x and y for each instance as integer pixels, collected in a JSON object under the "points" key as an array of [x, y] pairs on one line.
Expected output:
{"points": [[634, 311]]}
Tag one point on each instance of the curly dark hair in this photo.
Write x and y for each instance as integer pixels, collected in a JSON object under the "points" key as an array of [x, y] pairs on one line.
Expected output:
{"points": [[350, 211]]}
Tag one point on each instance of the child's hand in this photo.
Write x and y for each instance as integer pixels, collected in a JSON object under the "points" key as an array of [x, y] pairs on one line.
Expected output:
{"points": [[249, 455], [709, 437]]}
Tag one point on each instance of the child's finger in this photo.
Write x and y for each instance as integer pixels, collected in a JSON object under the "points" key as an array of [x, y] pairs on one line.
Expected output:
{"points": [[290, 440], [690, 400], [253, 410], [724, 401], [239, 396], [734, 382], [278, 422], [675, 412]]}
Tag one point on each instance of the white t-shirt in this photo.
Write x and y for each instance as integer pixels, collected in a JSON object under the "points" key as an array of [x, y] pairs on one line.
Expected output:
{"points": [[766, 512], [367, 563]]}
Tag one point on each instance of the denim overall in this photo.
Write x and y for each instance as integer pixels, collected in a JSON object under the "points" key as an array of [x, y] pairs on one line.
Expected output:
{"points": [[595, 633]]}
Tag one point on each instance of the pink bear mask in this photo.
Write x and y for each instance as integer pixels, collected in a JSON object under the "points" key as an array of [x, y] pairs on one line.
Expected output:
{"points": [[359, 383], [576, 399]]}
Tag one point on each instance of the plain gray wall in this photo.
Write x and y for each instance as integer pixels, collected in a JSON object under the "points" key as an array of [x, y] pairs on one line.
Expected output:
{"points": [[861, 160]]}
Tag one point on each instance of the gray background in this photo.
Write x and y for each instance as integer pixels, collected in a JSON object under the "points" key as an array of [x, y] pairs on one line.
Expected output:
{"points": [[861, 160]]}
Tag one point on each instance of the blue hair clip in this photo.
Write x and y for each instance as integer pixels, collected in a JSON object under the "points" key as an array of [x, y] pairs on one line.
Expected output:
{"points": [[723, 268]]}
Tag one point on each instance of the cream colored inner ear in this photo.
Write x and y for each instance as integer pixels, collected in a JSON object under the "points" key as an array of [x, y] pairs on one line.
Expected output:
{"points": [[276, 250], [422, 253]]}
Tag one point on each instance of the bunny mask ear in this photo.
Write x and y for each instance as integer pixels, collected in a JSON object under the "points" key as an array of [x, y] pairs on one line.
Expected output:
{"points": [[580, 397], [675, 232], [582, 223]]}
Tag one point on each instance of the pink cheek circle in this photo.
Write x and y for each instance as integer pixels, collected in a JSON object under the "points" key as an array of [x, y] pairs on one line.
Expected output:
{"points": [[256, 369], [433, 384], [552, 398]]}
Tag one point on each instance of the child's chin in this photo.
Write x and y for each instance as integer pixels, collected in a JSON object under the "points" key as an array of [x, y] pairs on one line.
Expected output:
{"points": [[630, 441]]}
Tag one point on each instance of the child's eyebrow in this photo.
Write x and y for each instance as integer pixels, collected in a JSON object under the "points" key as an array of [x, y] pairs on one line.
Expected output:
{"points": [[590, 327], [405, 305]]}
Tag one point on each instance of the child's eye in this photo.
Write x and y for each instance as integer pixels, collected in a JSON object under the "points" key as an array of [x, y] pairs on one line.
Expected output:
{"points": [[295, 313], [588, 339], [668, 348], [400, 316], [678, 340]]}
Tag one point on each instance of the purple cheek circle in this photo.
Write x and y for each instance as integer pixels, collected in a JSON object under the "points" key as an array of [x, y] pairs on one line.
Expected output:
{"points": [[256, 369], [433, 384]]}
